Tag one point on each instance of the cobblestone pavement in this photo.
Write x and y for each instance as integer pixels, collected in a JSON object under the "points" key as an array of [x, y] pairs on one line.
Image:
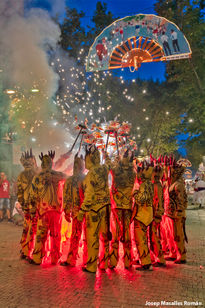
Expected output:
{"points": [[25, 285]]}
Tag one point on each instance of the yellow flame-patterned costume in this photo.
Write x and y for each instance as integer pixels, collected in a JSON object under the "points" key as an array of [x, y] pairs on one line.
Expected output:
{"points": [[73, 194], [123, 180], [47, 204], [158, 211], [178, 204], [94, 207], [167, 223], [143, 214], [24, 182]]}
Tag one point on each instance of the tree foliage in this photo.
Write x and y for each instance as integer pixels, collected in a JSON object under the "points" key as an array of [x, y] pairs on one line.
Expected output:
{"points": [[188, 75], [101, 17], [72, 32]]}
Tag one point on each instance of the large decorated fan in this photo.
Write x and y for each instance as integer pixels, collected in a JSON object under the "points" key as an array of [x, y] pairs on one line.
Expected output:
{"points": [[133, 40]]}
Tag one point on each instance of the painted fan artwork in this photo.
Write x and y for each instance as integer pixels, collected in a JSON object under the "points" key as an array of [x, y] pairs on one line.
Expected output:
{"points": [[138, 39]]}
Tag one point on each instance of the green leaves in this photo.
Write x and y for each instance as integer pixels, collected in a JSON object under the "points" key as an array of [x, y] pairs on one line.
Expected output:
{"points": [[187, 76]]}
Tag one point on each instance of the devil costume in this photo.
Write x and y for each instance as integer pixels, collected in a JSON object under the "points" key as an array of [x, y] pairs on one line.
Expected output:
{"points": [[46, 203], [24, 181], [96, 208], [73, 195]]}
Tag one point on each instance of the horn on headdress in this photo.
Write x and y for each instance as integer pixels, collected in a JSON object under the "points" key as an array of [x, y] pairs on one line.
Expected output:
{"points": [[126, 153], [152, 163], [132, 156], [151, 158], [166, 160], [51, 154], [41, 156]]}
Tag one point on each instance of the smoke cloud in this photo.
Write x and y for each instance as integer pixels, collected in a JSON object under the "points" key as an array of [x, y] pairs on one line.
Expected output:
{"points": [[24, 46], [27, 40]]}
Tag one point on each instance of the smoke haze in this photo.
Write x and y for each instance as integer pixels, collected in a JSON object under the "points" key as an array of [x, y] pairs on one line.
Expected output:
{"points": [[27, 39]]}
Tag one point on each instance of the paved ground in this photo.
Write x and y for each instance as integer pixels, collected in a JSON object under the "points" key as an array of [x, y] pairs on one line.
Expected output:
{"points": [[25, 285]]}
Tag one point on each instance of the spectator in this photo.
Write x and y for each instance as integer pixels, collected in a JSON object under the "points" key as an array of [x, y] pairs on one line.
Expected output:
{"points": [[200, 192], [4, 196], [17, 214]]}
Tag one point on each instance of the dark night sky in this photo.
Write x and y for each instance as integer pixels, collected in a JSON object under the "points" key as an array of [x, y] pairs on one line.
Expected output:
{"points": [[119, 8]]}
